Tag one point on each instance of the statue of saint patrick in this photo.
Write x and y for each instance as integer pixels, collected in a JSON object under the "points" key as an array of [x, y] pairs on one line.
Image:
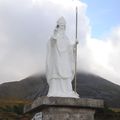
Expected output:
{"points": [[60, 63]]}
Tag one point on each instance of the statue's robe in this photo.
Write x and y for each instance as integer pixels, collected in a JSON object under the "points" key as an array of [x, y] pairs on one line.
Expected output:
{"points": [[60, 66]]}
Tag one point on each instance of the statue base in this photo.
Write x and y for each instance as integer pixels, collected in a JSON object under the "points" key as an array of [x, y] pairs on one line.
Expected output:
{"points": [[58, 108]]}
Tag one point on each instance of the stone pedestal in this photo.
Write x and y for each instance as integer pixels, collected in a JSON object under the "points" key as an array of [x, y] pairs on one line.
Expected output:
{"points": [[58, 108]]}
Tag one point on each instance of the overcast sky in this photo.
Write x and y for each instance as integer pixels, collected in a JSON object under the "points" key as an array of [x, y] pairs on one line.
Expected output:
{"points": [[26, 25]]}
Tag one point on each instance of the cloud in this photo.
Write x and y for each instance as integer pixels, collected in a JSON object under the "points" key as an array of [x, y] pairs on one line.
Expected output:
{"points": [[102, 56], [25, 27]]}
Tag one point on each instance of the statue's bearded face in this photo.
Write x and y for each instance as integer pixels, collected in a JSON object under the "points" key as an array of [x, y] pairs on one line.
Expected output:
{"points": [[61, 27]]}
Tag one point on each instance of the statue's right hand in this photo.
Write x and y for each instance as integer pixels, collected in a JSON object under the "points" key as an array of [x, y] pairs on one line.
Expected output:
{"points": [[53, 40], [54, 37]]}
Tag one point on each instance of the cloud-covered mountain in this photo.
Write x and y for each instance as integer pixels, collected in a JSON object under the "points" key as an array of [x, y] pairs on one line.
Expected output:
{"points": [[88, 85]]}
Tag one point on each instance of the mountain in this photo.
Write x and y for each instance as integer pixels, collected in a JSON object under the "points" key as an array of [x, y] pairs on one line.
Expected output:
{"points": [[88, 85]]}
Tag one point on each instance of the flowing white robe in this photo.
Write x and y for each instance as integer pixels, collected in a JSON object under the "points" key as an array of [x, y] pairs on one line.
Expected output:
{"points": [[60, 67]]}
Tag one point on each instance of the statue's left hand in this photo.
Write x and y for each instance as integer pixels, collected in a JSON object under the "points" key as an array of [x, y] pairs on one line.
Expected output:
{"points": [[77, 42]]}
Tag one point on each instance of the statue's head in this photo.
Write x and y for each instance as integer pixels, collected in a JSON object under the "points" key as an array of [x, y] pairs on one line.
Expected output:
{"points": [[61, 23]]}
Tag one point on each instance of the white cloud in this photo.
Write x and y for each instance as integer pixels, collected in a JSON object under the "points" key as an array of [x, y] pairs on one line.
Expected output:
{"points": [[102, 56], [25, 27]]}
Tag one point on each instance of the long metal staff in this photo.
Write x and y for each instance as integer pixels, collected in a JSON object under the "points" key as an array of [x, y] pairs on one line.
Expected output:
{"points": [[76, 42]]}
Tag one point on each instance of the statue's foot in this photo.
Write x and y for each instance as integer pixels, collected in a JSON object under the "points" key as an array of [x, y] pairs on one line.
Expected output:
{"points": [[69, 94]]}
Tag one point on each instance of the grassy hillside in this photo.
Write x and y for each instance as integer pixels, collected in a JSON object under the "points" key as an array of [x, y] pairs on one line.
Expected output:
{"points": [[88, 85]]}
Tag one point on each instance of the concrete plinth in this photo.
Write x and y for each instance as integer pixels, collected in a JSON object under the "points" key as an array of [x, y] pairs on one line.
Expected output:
{"points": [[58, 108]]}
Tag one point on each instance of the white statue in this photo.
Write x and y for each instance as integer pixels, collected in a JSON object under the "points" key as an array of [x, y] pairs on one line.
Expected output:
{"points": [[60, 63]]}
